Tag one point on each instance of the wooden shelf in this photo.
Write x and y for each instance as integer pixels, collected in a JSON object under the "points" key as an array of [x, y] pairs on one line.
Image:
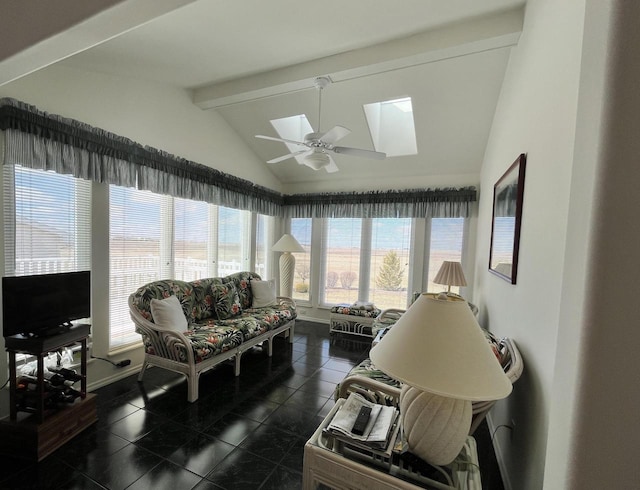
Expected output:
{"points": [[34, 430], [27, 438], [40, 347]]}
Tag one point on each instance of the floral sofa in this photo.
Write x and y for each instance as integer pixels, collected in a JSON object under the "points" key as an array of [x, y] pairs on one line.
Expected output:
{"points": [[221, 321]]}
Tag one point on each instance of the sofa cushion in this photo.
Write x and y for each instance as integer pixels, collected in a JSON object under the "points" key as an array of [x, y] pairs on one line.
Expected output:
{"points": [[226, 301], [356, 310], [242, 280], [168, 313], [264, 293], [254, 321], [202, 300], [206, 342]]}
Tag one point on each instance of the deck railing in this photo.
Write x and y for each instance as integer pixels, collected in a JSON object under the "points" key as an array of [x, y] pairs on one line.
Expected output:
{"points": [[143, 268]]}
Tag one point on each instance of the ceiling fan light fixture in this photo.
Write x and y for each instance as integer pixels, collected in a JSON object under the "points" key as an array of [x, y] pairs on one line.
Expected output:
{"points": [[317, 160]]}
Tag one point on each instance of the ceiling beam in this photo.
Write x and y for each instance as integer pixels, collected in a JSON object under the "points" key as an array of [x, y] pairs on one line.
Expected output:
{"points": [[39, 33], [460, 39]]}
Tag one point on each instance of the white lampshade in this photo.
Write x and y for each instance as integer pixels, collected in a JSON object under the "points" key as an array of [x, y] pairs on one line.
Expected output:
{"points": [[450, 274], [438, 350], [287, 244], [437, 346]]}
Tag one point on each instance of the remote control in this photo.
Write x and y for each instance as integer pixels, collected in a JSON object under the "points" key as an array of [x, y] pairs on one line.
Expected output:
{"points": [[361, 420]]}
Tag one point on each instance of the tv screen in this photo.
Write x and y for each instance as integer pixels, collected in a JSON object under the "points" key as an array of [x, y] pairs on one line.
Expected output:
{"points": [[40, 304]]}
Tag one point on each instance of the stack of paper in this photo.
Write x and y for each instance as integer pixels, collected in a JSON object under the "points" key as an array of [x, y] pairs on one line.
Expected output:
{"points": [[376, 432]]}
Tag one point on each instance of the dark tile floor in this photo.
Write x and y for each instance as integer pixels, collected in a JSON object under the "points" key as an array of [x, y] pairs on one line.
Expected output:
{"points": [[245, 432]]}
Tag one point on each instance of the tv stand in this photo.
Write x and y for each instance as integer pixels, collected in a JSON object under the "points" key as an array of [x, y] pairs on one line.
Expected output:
{"points": [[45, 429]]}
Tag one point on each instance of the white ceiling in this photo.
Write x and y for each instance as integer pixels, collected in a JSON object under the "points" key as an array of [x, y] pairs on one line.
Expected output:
{"points": [[255, 60]]}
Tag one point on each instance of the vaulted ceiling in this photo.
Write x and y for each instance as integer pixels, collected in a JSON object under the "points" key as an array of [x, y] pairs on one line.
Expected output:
{"points": [[253, 61]]}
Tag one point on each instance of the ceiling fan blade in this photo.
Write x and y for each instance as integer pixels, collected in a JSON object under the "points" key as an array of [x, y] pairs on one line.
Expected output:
{"points": [[357, 152], [334, 134], [271, 138], [286, 157], [332, 167]]}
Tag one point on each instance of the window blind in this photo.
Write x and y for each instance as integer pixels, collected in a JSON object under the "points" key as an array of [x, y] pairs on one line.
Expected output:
{"points": [[233, 240], [389, 262], [301, 230], [342, 241], [447, 236], [264, 227], [138, 253], [191, 243], [47, 222]]}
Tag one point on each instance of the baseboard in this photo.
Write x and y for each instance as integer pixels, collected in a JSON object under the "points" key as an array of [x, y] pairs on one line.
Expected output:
{"points": [[117, 376], [312, 319], [504, 474]]}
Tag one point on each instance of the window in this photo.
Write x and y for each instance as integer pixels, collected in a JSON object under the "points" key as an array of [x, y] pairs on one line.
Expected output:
{"points": [[233, 244], [264, 225], [342, 243], [447, 236], [191, 241], [391, 126], [47, 222], [369, 259], [154, 237], [139, 252], [301, 231], [389, 262]]}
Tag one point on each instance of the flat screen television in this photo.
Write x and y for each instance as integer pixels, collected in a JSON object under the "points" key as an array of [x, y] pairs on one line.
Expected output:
{"points": [[44, 304]]}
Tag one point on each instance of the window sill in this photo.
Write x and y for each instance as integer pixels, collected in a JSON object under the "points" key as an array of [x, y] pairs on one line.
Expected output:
{"points": [[124, 349]]}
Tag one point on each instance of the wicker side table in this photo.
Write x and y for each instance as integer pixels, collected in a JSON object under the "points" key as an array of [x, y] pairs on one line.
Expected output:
{"points": [[329, 464]]}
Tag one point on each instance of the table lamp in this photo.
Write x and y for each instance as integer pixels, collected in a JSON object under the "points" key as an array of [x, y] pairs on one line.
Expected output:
{"points": [[287, 244], [450, 274], [439, 352]]}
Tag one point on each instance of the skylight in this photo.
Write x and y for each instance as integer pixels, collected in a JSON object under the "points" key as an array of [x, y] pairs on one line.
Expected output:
{"points": [[391, 126], [293, 128]]}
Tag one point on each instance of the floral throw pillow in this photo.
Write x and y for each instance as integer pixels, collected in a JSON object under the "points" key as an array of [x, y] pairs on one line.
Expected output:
{"points": [[226, 301]]}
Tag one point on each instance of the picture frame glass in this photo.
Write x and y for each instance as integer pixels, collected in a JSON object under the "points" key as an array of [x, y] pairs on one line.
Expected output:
{"points": [[508, 194]]}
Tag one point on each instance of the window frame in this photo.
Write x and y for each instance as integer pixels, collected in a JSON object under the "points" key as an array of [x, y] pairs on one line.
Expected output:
{"points": [[419, 256], [167, 247]]}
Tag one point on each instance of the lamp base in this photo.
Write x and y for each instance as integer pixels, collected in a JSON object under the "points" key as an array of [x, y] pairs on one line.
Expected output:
{"points": [[287, 268], [435, 426]]}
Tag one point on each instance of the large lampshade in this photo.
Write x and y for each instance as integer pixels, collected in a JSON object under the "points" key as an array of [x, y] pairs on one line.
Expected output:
{"points": [[450, 274], [287, 244], [438, 350], [438, 346]]}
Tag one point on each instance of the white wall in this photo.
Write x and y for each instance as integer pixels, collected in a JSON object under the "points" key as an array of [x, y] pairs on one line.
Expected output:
{"points": [[536, 115], [160, 116], [593, 431]]}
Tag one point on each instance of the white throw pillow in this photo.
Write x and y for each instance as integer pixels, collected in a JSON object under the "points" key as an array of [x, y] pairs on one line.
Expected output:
{"points": [[264, 293], [168, 313]]}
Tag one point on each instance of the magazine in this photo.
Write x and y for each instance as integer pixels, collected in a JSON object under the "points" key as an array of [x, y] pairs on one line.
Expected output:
{"points": [[376, 433]]}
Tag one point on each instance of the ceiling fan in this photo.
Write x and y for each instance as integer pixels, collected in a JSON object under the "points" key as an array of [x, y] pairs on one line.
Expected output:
{"points": [[318, 145]]}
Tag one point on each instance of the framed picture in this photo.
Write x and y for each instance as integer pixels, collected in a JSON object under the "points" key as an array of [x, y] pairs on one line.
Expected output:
{"points": [[508, 193]]}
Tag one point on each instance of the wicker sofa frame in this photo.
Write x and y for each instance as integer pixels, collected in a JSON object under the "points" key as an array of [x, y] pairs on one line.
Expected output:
{"points": [[165, 346]]}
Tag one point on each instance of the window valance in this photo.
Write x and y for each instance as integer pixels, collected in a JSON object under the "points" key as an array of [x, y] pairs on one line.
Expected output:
{"points": [[36, 139], [415, 203], [40, 140]]}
